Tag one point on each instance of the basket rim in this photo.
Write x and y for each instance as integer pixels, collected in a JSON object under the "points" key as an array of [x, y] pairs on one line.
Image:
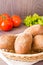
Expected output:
{"points": [[23, 57], [36, 54]]}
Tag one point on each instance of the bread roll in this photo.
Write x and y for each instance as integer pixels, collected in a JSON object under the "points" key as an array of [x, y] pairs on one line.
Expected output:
{"points": [[34, 30], [7, 42], [38, 43], [23, 43]]}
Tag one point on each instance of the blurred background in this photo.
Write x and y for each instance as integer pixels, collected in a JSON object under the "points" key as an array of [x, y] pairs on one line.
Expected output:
{"points": [[21, 7]]}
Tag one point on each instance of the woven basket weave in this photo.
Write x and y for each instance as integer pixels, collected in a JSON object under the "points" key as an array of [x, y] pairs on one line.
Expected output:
{"points": [[22, 57]]}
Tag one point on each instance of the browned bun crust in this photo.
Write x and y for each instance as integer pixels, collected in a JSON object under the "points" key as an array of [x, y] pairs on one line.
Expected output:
{"points": [[23, 43], [38, 43], [34, 30], [7, 42]]}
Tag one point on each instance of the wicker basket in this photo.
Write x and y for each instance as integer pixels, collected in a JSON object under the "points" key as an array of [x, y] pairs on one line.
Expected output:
{"points": [[23, 58]]}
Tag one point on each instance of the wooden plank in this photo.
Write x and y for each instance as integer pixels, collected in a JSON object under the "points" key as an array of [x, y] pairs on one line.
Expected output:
{"points": [[37, 6], [19, 7]]}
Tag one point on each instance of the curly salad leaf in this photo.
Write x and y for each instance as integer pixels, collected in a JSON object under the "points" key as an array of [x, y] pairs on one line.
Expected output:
{"points": [[32, 20]]}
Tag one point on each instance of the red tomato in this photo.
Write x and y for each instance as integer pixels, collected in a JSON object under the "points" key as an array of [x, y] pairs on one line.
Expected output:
{"points": [[16, 20], [6, 22]]}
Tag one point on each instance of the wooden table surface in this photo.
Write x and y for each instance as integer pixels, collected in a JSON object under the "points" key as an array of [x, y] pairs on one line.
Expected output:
{"points": [[14, 31]]}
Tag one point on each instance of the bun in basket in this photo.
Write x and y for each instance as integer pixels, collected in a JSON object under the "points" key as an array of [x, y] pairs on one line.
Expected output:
{"points": [[23, 43], [7, 42], [34, 30], [38, 43]]}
